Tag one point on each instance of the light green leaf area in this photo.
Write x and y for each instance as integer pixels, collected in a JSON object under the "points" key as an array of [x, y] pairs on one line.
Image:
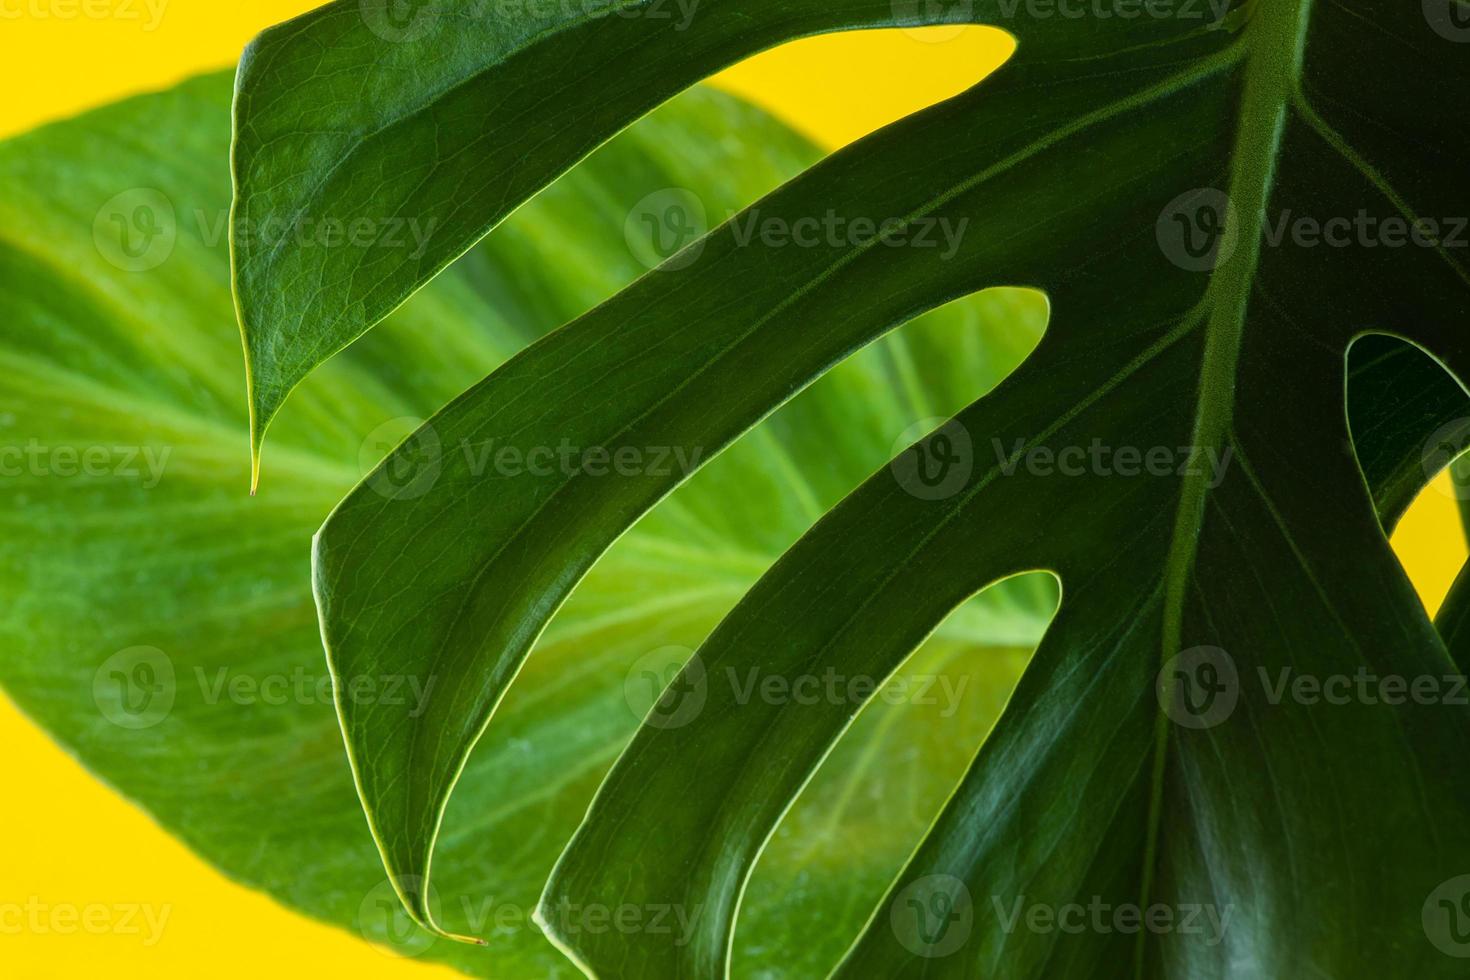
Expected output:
{"points": [[159, 621]]}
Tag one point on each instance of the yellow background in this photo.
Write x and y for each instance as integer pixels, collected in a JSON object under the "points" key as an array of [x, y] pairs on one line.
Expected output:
{"points": [[80, 843]]}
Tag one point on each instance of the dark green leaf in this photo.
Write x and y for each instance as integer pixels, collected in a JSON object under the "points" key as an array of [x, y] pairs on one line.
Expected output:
{"points": [[1150, 176], [153, 573], [440, 118]]}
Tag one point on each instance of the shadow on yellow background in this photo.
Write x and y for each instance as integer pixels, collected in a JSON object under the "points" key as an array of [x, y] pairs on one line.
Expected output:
{"points": [[76, 843]]}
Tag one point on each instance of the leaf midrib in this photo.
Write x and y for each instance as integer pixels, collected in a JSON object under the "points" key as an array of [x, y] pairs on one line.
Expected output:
{"points": [[1277, 39]]}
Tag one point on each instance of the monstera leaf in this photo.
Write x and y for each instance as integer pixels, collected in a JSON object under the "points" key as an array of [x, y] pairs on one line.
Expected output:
{"points": [[159, 621], [1220, 212], [379, 110]]}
